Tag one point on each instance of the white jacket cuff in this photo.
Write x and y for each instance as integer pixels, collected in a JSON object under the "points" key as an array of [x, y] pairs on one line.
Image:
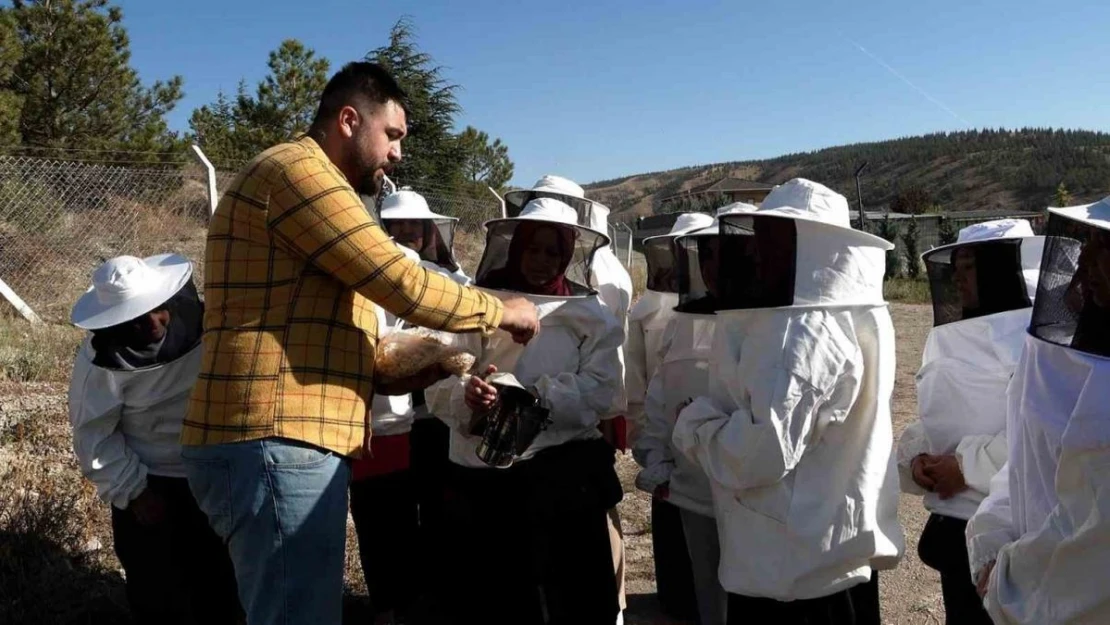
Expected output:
{"points": [[911, 444], [980, 459]]}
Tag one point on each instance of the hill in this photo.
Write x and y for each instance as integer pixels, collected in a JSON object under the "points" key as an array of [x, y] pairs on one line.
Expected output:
{"points": [[959, 171]]}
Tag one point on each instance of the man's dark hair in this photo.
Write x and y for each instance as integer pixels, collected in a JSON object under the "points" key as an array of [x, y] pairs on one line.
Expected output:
{"points": [[360, 82]]}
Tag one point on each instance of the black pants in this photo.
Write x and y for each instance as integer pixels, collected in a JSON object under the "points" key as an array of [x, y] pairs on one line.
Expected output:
{"points": [[431, 441], [530, 544], [674, 577], [384, 510], [178, 570], [836, 609], [943, 547], [865, 601]]}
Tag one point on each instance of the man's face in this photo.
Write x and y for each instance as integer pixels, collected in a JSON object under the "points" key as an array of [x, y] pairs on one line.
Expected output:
{"points": [[375, 144], [407, 232]]}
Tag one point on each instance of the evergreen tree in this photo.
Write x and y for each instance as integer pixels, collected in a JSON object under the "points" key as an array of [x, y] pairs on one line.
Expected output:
{"points": [[431, 151], [76, 84]]}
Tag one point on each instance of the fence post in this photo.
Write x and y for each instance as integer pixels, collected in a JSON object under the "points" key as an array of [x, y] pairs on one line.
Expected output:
{"points": [[18, 302], [628, 258], [500, 200], [213, 198]]}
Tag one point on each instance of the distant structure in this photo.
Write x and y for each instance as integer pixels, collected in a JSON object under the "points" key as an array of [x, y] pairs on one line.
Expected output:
{"points": [[715, 194]]}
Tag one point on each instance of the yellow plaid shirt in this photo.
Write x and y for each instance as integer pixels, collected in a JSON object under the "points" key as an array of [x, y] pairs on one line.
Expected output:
{"points": [[293, 268]]}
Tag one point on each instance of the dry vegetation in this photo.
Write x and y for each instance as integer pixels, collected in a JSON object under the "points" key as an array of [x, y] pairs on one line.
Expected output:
{"points": [[56, 559]]}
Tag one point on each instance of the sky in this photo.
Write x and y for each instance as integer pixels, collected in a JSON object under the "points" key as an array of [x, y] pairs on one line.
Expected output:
{"points": [[600, 89]]}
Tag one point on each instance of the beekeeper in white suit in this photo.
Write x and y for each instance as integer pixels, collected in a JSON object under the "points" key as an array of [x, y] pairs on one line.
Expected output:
{"points": [[795, 433], [982, 289], [1052, 569], [675, 482], [648, 320], [532, 540], [614, 287], [397, 489]]}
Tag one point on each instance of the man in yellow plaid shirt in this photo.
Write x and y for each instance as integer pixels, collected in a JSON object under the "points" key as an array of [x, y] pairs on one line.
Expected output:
{"points": [[293, 270]]}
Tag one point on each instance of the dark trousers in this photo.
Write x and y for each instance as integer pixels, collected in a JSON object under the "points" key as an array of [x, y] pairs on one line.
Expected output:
{"points": [[943, 547], [836, 609], [530, 544], [674, 576], [384, 510], [178, 570], [430, 440]]}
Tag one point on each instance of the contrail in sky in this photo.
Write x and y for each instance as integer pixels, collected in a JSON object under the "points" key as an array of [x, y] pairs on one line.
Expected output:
{"points": [[899, 76]]}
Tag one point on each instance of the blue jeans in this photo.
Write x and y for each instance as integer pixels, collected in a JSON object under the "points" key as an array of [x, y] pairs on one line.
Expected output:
{"points": [[281, 507]]}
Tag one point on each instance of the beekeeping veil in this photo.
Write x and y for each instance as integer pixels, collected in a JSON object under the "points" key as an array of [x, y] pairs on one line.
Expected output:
{"points": [[405, 215], [1072, 307], [698, 255], [798, 250], [660, 252], [990, 269], [546, 232]]}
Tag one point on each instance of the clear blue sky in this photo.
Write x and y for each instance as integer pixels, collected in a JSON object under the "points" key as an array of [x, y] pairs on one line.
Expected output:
{"points": [[594, 90]]}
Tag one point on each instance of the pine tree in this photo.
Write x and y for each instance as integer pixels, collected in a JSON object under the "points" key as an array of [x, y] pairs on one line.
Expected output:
{"points": [[431, 151], [889, 231], [910, 249], [285, 101], [76, 84], [484, 163], [1062, 196]]}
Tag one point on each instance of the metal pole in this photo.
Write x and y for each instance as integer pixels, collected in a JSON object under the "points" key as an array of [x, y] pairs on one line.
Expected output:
{"points": [[7, 293], [500, 200], [628, 260], [859, 195], [213, 198]]}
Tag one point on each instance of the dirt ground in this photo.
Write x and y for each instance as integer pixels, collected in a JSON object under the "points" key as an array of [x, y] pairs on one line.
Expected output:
{"points": [[910, 594], [36, 455]]}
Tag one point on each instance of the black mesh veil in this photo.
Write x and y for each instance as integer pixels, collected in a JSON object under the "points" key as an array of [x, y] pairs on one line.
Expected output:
{"points": [[515, 201], [1072, 307], [432, 239], [759, 258], [538, 257], [662, 270], [976, 279]]}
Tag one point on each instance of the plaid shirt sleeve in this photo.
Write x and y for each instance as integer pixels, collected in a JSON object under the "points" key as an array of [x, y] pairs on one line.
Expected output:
{"points": [[315, 214]]}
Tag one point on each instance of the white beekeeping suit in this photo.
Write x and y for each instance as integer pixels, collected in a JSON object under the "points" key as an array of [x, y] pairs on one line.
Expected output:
{"points": [[607, 274], [982, 288], [1059, 438], [552, 489], [405, 215], [649, 316], [795, 433], [970, 355]]}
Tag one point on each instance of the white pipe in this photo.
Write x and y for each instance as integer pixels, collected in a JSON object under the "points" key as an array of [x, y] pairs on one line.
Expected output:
{"points": [[213, 198], [500, 200], [19, 304]]}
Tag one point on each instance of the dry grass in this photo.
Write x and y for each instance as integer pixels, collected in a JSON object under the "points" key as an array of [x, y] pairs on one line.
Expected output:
{"points": [[906, 291], [56, 561], [36, 353]]}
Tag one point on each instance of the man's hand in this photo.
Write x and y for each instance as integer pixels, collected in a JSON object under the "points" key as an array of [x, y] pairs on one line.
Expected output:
{"points": [[983, 581], [920, 478], [149, 508], [480, 395], [948, 478], [519, 319]]}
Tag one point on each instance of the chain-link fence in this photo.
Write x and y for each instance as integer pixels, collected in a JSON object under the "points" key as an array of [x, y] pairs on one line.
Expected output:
{"points": [[60, 219]]}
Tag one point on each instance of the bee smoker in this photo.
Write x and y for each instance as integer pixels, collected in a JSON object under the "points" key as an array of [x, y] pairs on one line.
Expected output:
{"points": [[510, 425]]}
